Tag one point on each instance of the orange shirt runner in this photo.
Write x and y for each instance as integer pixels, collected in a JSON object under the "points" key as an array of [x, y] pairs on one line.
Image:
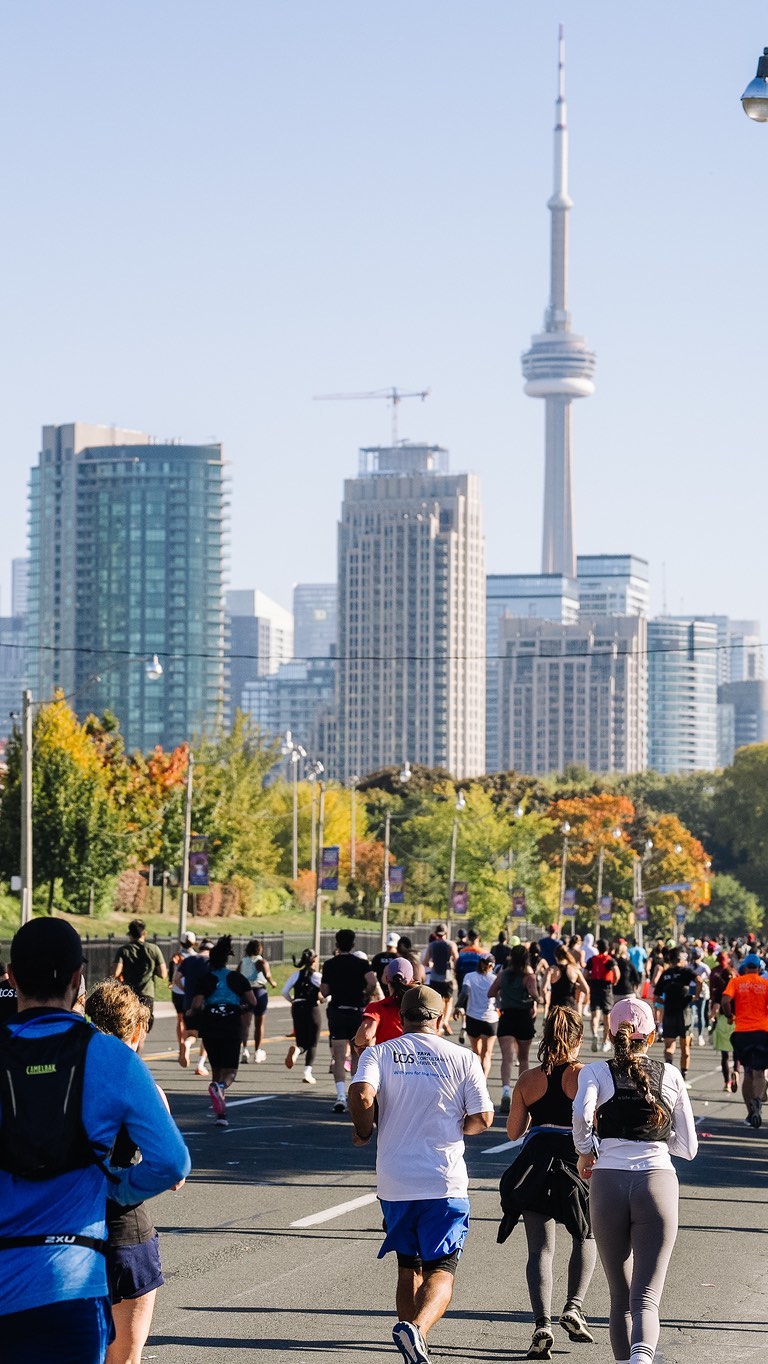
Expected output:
{"points": [[750, 999]]}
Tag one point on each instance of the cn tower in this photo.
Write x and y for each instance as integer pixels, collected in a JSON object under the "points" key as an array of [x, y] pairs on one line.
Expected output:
{"points": [[559, 365]]}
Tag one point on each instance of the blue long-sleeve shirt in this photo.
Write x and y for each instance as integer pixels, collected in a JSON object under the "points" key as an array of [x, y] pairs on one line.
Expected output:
{"points": [[118, 1091]]}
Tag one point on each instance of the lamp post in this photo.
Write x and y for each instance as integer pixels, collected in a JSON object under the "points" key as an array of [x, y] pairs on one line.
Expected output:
{"points": [[318, 895], [639, 864], [316, 770], [565, 829], [616, 834], [459, 806], [353, 829], [184, 896], [754, 101], [385, 893], [295, 751], [153, 670]]}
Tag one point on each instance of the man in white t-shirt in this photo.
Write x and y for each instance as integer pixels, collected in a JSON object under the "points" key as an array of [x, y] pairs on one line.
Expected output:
{"points": [[431, 1094]]}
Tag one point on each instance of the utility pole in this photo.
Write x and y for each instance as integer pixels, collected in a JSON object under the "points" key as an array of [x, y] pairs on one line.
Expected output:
{"points": [[353, 834], [600, 861], [385, 891], [26, 807], [318, 896], [184, 897], [563, 864]]}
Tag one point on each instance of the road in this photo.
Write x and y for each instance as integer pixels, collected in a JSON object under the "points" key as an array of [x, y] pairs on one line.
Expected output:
{"points": [[270, 1249]]}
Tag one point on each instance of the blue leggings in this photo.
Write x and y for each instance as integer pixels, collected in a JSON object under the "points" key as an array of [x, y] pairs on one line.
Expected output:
{"points": [[74, 1332]]}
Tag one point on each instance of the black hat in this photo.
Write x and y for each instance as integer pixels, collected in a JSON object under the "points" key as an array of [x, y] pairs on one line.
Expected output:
{"points": [[45, 953]]}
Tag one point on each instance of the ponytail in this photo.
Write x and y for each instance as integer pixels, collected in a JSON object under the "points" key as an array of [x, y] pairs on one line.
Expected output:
{"points": [[625, 1048], [563, 1031]]}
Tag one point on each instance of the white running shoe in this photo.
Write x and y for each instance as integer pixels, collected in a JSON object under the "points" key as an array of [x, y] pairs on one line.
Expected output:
{"points": [[260, 1055], [410, 1342], [606, 1045], [245, 1056], [702, 1040], [309, 1078], [201, 1068]]}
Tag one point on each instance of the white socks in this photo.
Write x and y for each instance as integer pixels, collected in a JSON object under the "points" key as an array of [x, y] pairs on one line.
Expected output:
{"points": [[307, 1072], [341, 1093]]}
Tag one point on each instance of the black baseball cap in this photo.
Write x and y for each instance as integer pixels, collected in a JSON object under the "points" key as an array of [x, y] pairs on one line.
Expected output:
{"points": [[45, 953]]}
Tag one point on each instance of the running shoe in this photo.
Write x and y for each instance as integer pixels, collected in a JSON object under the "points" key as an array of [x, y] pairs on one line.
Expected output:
{"points": [[506, 1099], [245, 1056], [541, 1345], [575, 1323], [340, 1106], [462, 1037], [290, 1060], [606, 1045], [201, 1068], [594, 1044], [218, 1103], [222, 1122], [756, 1114], [702, 1040], [308, 1078], [734, 1083], [260, 1055], [410, 1342], [183, 1055]]}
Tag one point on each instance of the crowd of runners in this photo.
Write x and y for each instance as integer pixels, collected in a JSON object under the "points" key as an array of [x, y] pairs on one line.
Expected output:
{"points": [[86, 1136]]}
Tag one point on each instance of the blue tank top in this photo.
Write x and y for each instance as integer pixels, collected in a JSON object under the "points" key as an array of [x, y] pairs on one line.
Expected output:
{"points": [[223, 994]]}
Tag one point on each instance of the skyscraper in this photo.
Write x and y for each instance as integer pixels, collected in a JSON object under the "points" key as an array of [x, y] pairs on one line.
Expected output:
{"points": [[572, 693], [613, 585], [682, 695], [259, 640], [559, 365], [126, 560], [19, 579], [315, 613], [411, 615]]}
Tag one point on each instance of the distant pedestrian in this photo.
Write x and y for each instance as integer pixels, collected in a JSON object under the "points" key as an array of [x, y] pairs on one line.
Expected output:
{"points": [[223, 994], [302, 989], [139, 963], [255, 967]]}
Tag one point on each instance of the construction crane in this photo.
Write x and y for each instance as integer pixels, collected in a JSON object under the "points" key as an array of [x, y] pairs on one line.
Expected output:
{"points": [[393, 396]]}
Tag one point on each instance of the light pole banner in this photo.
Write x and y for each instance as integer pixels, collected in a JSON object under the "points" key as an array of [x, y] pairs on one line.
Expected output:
{"points": [[641, 912], [397, 885], [681, 913], [460, 899], [606, 909], [569, 903], [518, 904], [198, 871], [329, 869]]}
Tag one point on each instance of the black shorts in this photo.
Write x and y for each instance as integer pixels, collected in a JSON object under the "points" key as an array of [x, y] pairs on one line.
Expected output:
{"points": [[262, 1000], [178, 1002], [133, 1271], [476, 1027], [601, 996], [517, 1023], [443, 988], [343, 1023], [676, 1023], [447, 1263], [751, 1049]]}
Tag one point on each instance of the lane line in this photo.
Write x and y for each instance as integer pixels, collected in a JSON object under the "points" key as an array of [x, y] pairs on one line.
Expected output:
{"points": [[503, 1146], [259, 1099], [337, 1211]]}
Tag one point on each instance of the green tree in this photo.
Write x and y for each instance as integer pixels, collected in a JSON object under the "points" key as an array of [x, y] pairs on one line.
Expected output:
{"points": [[733, 910], [230, 805], [741, 817]]}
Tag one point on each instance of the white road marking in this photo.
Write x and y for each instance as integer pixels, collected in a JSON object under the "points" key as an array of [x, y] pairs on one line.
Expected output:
{"points": [[503, 1146], [337, 1211], [259, 1099]]}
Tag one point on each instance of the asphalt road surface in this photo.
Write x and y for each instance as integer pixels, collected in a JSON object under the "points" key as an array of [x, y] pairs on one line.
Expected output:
{"points": [[269, 1251]]}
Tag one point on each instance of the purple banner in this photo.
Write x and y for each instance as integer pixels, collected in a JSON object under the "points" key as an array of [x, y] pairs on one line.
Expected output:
{"points": [[329, 869]]}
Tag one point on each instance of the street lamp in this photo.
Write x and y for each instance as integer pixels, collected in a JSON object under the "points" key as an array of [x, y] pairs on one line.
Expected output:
{"points": [[405, 772], [617, 834], [754, 101], [290, 749], [314, 772], [353, 781], [460, 805], [565, 829]]}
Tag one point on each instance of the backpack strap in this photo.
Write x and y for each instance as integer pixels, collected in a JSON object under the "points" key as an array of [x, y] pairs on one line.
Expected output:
{"points": [[55, 1239]]}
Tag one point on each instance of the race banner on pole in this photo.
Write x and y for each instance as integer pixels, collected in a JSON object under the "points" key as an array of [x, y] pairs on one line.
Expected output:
{"points": [[568, 906], [641, 912], [518, 904], [460, 899], [397, 885], [199, 878], [329, 869], [606, 909]]}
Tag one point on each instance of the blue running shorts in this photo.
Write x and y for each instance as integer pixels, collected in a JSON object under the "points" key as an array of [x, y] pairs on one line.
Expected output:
{"points": [[426, 1229]]}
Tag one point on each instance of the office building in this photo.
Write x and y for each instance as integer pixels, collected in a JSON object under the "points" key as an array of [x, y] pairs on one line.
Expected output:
{"points": [[542, 596], [13, 674], [559, 365], [411, 615], [743, 715], [19, 579], [613, 585], [300, 697], [682, 695], [315, 612], [572, 693], [259, 640], [126, 561]]}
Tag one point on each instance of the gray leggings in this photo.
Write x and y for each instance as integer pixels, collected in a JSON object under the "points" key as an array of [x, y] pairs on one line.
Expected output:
{"points": [[540, 1232], [634, 1219]]}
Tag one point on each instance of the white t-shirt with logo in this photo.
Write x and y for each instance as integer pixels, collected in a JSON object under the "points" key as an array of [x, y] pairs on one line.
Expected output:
{"points": [[479, 1006], [426, 1087]]}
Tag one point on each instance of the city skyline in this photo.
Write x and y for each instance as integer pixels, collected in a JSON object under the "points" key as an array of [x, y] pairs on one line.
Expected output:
{"points": [[269, 314]]}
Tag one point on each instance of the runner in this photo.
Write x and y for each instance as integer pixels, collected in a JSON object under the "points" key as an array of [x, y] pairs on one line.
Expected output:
{"points": [[602, 974], [643, 1116], [482, 1014], [255, 968], [221, 996], [430, 1095], [405, 949], [381, 1019], [674, 988], [629, 978], [542, 1109], [516, 994], [139, 963], [351, 983], [302, 989], [383, 958], [701, 1002], [134, 1271], [566, 981], [189, 973], [469, 956], [549, 944], [722, 1041], [501, 950], [745, 999], [54, 1304], [185, 949], [439, 959]]}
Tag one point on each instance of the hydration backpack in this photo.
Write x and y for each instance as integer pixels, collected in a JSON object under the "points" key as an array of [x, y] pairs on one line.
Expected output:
{"points": [[41, 1095]]}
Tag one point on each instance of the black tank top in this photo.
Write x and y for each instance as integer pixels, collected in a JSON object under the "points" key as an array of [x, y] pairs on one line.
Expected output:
{"points": [[562, 990], [627, 1115], [554, 1108]]}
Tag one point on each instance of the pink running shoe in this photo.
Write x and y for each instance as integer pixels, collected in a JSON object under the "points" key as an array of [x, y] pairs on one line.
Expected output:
{"points": [[218, 1103]]}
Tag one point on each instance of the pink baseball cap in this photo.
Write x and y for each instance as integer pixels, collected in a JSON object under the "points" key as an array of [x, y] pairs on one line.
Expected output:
{"points": [[399, 966], [637, 1012]]}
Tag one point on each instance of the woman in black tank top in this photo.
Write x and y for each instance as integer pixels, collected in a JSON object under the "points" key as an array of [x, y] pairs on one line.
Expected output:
{"points": [[567, 985], [542, 1185]]}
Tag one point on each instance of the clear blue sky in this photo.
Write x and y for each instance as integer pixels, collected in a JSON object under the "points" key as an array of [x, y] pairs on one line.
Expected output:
{"points": [[214, 211]]}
